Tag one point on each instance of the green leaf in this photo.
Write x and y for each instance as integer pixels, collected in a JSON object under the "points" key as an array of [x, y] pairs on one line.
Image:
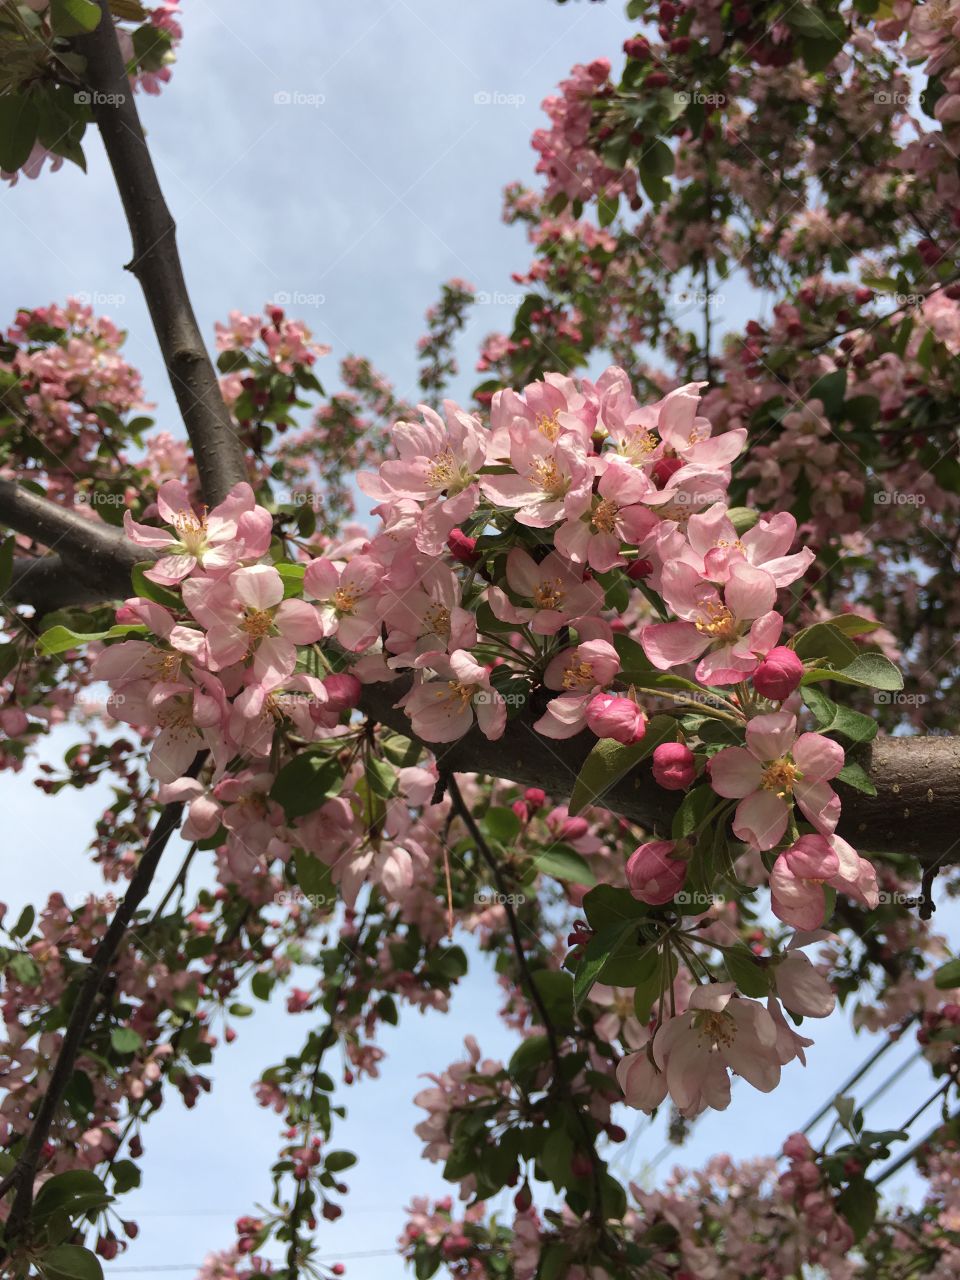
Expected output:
{"points": [[858, 1203], [337, 1161], [60, 639], [19, 121], [532, 1053], [824, 640], [654, 166], [313, 877], [74, 17], [597, 952], [751, 978], [9, 544], [565, 864], [125, 1040], [830, 391], [873, 670], [24, 923], [76, 1191], [610, 761], [832, 718], [292, 575], [606, 905], [70, 1262], [306, 783], [694, 807], [143, 586], [126, 1176], [854, 776], [947, 977], [852, 624], [501, 824], [607, 209]]}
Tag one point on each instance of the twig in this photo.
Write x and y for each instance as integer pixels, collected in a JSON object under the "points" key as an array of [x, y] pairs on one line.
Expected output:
{"points": [[560, 1084], [24, 1171]]}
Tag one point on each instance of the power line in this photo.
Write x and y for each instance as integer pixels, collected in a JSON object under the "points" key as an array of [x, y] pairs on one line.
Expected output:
{"points": [[195, 1266], [859, 1073]]}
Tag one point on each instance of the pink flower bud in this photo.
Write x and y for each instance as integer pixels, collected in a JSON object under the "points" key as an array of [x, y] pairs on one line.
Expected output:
{"points": [[521, 810], [653, 876], [609, 715], [462, 547], [638, 570], [534, 797], [666, 467], [573, 829], [778, 674], [343, 692], [674, 766]]}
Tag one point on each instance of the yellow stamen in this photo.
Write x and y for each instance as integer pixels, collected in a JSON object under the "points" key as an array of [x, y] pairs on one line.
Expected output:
{"points": [[779, 777], [604, 518], [717, 621], [549, 594], [579, 677]]}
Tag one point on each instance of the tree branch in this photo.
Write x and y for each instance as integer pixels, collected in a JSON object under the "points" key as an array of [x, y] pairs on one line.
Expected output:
{"points": [[92, 561], [156, 264], [21, 1177], [916, 809]]}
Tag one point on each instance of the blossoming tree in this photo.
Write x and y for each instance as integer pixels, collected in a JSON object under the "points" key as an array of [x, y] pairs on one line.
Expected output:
{"points": [[645, 677]]}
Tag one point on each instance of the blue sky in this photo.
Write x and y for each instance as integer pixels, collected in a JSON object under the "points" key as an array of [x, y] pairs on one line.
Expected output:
{"points": [[379, 177]]}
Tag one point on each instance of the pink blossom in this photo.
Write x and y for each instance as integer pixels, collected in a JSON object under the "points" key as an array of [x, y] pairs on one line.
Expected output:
{"points": [[718, 1032], [580, 672], [773, 768], [349, 599], [236, 529], [246, 613], [730, 631], [551, 482], [616, 515], [800, 873], [557, 590], [442, 710]]}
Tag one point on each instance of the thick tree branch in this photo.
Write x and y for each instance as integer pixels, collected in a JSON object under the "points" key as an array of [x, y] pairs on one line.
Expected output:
{"points": [[156, 264], [916, 809], [92, 560], [21, 1177]]}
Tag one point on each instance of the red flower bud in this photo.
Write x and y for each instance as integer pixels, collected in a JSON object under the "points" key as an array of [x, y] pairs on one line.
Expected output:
{"points": [[463, 548], [778, 674], [674, 766]]}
